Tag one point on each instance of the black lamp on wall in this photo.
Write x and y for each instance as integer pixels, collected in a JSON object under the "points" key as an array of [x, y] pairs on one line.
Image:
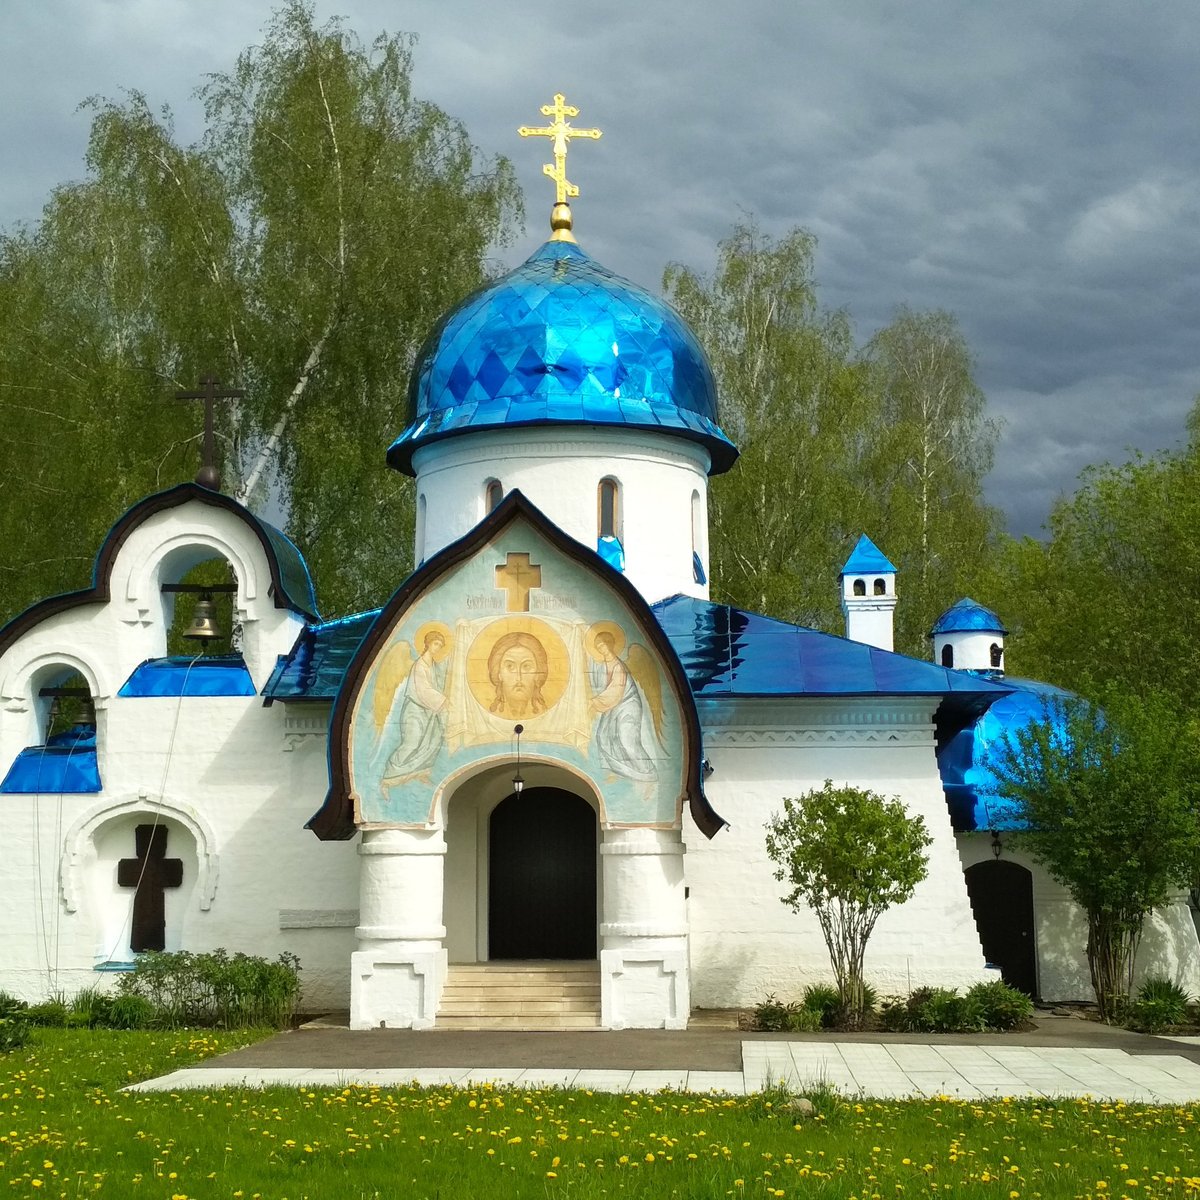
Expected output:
{"points": [[518, 783]]}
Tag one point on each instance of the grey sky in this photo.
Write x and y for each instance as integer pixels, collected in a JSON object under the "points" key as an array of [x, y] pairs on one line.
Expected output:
{"points": [[1034, 168]]}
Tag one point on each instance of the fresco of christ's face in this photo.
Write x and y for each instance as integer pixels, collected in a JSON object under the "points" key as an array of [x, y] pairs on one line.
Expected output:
{"points": [[518, 669]]}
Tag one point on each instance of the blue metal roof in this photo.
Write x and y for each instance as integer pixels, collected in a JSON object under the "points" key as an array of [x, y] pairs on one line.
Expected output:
{"points": [[65, 765], [867, 559], [728, 652], [190, 675], [562, 340], [968, 616], [314, 667], [971, 786]]}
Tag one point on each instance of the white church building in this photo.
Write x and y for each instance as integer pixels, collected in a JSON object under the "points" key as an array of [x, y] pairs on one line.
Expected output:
{"points": [[531, 789]]}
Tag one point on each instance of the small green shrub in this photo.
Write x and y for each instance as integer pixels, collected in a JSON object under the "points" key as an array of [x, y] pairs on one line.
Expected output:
{"points": [[10, 1006], [230, 991], [774, 1016], [14, 1031], [1160, 1003], [1001, 1006], [945, 1011], [52, 1014], [824, 1000], [130, 1012]]}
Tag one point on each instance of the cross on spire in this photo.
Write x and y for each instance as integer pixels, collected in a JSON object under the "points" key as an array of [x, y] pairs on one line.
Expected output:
{"points": [[562, 133], [517, 577], [210, 391]]}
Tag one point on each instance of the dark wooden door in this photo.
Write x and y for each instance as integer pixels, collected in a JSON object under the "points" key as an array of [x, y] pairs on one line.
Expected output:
{"points": [[1002, 898], [542, 876]]}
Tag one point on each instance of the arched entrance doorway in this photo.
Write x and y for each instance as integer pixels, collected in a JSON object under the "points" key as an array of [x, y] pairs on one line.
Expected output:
{"points": [[1001, 895], [542, 876]]}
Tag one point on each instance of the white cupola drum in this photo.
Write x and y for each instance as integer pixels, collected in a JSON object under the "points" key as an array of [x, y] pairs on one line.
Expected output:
{"points": [[868, 583], [970, 637], [584, 391]]}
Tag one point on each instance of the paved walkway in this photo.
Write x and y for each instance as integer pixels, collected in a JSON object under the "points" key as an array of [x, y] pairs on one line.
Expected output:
{"points": [[1063, 1057]]}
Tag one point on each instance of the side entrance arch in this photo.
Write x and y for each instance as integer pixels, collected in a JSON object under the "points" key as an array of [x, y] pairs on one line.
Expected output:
{"points": [[542, 876], [1001, 895]]}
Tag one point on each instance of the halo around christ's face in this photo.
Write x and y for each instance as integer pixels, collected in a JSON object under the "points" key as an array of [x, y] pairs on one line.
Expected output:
{"points": [[517, 668]]}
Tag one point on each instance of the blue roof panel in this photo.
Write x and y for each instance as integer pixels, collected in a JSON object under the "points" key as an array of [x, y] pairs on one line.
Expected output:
{"points": [[66, 765], [316, 664]]}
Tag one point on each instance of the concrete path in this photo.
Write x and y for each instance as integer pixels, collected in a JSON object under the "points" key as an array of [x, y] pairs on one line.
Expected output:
{"points": [[1138, 1071]]}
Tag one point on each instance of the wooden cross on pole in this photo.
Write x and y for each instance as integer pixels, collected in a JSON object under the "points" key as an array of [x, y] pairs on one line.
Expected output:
{"points": [[517, 577], [562, 133], [210, 391]]}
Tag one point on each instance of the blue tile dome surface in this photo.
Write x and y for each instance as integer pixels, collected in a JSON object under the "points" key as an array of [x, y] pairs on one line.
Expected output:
{"points": [[562, 340], [968, 616]]}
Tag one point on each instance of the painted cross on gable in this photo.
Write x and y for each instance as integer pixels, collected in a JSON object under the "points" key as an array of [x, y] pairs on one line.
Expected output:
{"points": [[517, 577], [151, 872]]}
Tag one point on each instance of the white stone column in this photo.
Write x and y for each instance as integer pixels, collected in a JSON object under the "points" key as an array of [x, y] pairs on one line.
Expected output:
{"points": [[397, 972], [643, 936]]}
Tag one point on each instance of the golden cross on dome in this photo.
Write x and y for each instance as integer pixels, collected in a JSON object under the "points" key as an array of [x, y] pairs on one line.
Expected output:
{"points": [[562, 133]]}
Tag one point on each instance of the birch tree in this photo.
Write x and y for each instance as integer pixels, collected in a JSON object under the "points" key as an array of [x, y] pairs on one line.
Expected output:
{"points": [[302, 249]]}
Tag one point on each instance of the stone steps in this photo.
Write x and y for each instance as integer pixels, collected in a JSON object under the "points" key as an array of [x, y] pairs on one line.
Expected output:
{"points": [[521, 995]]}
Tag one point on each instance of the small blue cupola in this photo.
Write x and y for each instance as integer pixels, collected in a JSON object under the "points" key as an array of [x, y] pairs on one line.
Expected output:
{"points": [[868, 583], [969, 637]]}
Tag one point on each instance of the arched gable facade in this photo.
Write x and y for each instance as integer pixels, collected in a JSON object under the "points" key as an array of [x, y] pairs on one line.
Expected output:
{"points": [[515, 656]]}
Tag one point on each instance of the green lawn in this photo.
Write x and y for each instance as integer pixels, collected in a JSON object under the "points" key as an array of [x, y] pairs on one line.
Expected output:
{"points": [[66, 1129]]}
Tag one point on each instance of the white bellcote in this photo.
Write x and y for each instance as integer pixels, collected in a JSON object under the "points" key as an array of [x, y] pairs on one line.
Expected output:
{"points": [[868, 582]]}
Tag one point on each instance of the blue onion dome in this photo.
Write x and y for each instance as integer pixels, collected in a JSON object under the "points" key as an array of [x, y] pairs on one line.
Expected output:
{"points": [[968, 616], [965, 759], [562, 340]]}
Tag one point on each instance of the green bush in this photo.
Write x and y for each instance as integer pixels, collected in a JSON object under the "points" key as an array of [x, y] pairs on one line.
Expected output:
{"points": [[824, 1000], [51, 1013], [1160, 1003], [1002, 1007], [231, 991], [774, 1016], [129, 1012], [945, 1011], [14, 1031], [10, 1006]]}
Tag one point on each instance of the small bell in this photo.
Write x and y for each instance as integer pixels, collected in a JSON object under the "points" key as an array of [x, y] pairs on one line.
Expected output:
{"points": [[204, 625], [87, 712]]}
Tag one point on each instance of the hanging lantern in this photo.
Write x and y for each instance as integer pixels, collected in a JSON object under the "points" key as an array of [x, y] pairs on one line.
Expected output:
{"points": [[204, 623]]}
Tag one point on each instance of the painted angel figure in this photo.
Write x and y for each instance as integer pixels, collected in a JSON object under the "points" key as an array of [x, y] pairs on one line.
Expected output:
{"points": [[629, 690], [410, 697]]}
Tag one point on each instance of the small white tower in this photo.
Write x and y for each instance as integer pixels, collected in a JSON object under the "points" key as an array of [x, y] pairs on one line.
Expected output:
{"points": [[869, 596], [969, 637]]}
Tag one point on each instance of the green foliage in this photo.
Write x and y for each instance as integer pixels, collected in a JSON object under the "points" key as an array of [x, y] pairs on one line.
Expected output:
{"points": [[215, 989], [986, 1006], [774, 1016], [1160, 1004], [1001, 1006], [14, 1032], [1112, 598], [835, 440], [849, 855], [128, 1012], [1110, 798], [825, 1000], [302, 249], [54, 1014]]}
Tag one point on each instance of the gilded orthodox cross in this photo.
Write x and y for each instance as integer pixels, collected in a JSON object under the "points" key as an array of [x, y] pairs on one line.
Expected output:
{"points": [[210, 391], [151, 872], [517, 577], [562, 133]]}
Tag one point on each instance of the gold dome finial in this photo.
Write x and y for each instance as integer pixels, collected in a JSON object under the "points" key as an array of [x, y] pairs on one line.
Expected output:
{"points": [[561, 132]]}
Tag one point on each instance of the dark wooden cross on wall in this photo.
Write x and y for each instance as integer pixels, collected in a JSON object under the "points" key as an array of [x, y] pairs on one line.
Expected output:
{"points": [[151, 872], [210, 391]]}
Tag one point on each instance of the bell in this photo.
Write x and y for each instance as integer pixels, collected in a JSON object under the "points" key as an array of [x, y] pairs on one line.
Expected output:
{"points": [[87, 712], [204, 626]]}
